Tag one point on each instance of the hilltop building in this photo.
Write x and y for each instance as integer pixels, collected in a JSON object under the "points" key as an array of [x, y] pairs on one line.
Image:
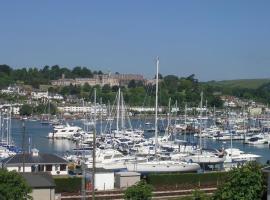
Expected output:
{"points": [[101, 80]]}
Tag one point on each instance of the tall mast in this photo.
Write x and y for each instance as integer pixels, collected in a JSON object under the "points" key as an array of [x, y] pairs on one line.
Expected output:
{"points": [[122, 113], [169, 115], [201, 120], [101, 113], [156, 109], [185, 126], [94, 145], [117, 113]]}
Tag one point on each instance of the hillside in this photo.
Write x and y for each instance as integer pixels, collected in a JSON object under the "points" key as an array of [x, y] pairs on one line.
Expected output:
{"points": [[240, 83]]}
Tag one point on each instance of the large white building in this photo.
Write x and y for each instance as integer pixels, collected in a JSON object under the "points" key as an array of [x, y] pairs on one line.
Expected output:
{"points": [[83, 109]]}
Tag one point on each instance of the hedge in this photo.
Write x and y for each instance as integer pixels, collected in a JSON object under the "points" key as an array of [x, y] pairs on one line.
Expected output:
{"points": [[186, 180], [68, 184]]}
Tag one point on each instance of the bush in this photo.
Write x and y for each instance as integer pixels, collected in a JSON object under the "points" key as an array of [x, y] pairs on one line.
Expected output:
{"points": [[13, 186], [72, 185], [186, 180], [140, 191], [245, 182]]}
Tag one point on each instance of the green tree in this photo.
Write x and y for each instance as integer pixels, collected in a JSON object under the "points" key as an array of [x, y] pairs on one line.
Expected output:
{"points": [[140, 191], [243, 183], [26, 109], [13, 186]]}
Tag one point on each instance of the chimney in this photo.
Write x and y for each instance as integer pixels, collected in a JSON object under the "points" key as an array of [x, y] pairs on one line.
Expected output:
{"points": [[35, 152]]}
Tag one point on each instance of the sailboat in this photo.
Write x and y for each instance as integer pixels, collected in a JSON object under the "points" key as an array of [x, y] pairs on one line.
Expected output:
{"points": [[201, 155], [157, 165], [235, 157]]}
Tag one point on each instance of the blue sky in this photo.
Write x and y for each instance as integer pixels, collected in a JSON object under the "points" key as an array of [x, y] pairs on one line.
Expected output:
{"points": [[214, 39]]}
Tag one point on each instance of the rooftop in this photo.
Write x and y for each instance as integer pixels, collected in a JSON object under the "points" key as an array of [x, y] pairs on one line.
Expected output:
{"points": [[41, 158], [39, 180]]}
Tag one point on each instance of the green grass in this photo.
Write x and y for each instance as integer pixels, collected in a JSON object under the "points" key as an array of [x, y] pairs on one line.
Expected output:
{"points": [[240, 83]]}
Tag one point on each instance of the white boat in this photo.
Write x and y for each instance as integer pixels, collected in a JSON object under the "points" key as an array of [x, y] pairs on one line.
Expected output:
{"points": [[256, 140], [163, 166], [205, 157], [110, 159], [235, 157], [64, 132]]}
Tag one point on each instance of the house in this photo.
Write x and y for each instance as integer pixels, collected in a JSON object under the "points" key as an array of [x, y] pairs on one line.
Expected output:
{"points": [[36, 162], [42, 184]]}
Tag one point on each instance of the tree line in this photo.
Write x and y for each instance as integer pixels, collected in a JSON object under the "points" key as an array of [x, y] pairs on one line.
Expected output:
{"points": [[180, 89], [35, 77]]}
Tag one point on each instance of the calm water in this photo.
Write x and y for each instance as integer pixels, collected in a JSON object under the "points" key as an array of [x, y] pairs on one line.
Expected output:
{"points": [[37, 134]]}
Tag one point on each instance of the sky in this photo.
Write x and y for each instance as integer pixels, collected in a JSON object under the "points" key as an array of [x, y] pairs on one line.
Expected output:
{"points": [[213, 39]]}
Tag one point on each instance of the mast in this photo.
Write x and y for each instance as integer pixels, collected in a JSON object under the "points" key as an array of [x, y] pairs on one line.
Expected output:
{"points": [[201, 121], [185, 135], [122, 112], [94, 146], [169, 116], [156, 108], [117, 113], [101, 113]]}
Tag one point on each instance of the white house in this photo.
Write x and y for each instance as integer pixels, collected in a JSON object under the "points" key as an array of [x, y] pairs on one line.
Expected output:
{"points": [[39, 95], [36, 162]]}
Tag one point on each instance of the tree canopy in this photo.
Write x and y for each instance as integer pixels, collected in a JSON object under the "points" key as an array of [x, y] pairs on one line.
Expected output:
{"points": [[13, 186], [245, 182], [140, 191]]}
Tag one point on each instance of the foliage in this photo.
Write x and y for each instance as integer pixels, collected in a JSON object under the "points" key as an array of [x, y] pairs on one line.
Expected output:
{"points": [[68, 184], [189, 180], [245, 182], [140, 191], [181, 89], [26, 109], [13, 186]]}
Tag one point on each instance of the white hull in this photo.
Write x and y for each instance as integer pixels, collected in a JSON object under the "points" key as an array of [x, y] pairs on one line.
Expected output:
{"points": [[163, 166]]}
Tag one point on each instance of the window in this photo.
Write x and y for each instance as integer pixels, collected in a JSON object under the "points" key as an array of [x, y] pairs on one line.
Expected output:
{"points": [[56, 167], [62, 167], [41, 168], [48, 168]]}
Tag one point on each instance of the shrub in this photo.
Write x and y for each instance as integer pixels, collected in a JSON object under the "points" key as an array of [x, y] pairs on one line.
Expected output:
{"points": [[140, 191]]}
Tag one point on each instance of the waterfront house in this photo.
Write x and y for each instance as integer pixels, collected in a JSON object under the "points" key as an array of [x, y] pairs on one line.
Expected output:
{"points": [[42, 184], [36, 162]]}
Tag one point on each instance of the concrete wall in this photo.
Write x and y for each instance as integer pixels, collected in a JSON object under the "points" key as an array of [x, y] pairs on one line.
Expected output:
{"points": [[104, 181], [126, 181], [43, 194]]}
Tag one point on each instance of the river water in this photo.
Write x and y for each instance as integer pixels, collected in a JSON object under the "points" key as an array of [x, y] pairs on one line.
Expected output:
{"points": [[35, 134]]}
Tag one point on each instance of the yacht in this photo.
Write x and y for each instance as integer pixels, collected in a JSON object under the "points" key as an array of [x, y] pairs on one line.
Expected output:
{"points": [[64, 132], [256, 140], [163, 166], [235, 157]]}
